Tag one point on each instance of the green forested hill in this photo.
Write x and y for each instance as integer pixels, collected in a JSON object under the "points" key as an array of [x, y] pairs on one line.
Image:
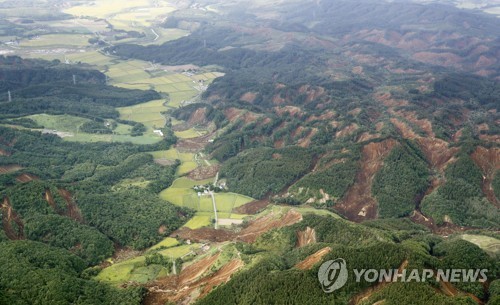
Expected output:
{"points": [[363, 130]]}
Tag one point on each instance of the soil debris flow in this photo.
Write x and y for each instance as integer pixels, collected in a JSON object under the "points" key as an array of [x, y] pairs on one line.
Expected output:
{"points": [[358, 204]]}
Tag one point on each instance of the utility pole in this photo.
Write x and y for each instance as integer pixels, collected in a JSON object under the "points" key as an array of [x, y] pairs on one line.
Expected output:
{"points": [[74, 79], [10, 96]]}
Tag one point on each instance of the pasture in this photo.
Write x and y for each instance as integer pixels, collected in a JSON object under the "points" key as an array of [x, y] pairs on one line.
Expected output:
{"points": [[71, 125], [136, 270], [488, 244]]}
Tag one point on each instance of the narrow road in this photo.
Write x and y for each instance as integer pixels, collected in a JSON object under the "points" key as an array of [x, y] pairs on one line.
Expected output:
{"points": [[215, 210], [156, 34]]}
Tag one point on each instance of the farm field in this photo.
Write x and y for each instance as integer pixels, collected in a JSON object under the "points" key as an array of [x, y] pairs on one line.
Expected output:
{"points": [[147, 113], [103, 9], [57, 40], [167, 242], [182, 194], [199, 221]]}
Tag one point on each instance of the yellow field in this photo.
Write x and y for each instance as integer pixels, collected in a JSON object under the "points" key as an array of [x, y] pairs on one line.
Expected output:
{"points": [[199, 221], [105, 8], [167, 35], [167, 242], [147, 113], [138, 15], [54, 40]]}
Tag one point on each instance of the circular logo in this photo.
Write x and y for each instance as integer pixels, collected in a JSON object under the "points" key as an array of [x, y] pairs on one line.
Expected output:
{"points": [[333, 275]]}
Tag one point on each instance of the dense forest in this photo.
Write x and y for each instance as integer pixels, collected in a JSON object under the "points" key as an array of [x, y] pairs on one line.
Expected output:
{"points": [[461, 198], [74, 210], [368, 131], [401, 182], [275, 280]]}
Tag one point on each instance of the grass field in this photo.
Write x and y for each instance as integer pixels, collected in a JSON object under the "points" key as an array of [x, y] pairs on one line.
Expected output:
{"points": [[136, 270], [147, 113], [66, 123], [167, 242], [71, 124], [57, 40], [188, 162], [305, 211], [488, 244], [199, 221], [172, 154], [105, 8], [190, 133]]}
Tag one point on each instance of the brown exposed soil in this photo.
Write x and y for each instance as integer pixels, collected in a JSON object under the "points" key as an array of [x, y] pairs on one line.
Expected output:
{"points": [[405, 131], [490, 138], [386, 99], [313, 259], [248, 234], [489, 162], [311, 92], [191, 284], [365, 295], [195, 270], [24, 178], [442, 59], [357, 70], [305, 142], [4, 153], [445, 229], [288, 109], [10, 217], [6, 169], [47, 195], [234, 114], [358, 204], [306, 237], [253, 207], [419, 218], [449, 289], [266, 223], [355, 111], [204, 172], [365, 136], [204, 234], [437, 152], [198, 117], [177, 287], [424, 124], [484, 62], [193, 145], [325, 116], [279, 144], [72, 209], [347, 130], [277, 99], [222, 276], [458, 135], [248, 97]]}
